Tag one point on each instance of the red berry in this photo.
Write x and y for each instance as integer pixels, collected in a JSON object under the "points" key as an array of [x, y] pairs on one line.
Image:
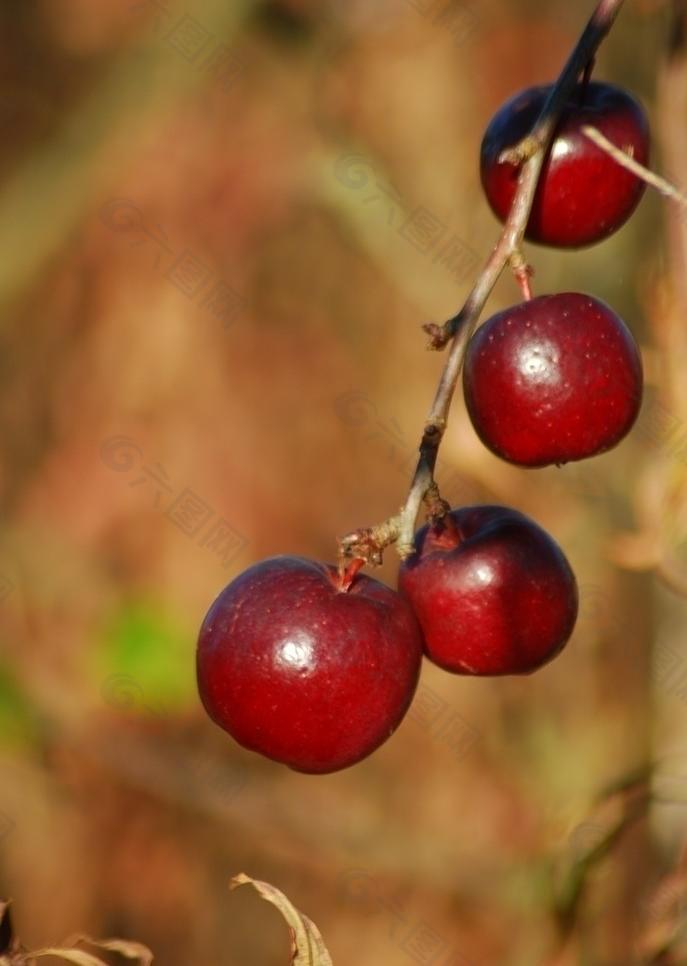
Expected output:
{"points": [[554, 379], [493, 592], [583, 194], [303, 672]]}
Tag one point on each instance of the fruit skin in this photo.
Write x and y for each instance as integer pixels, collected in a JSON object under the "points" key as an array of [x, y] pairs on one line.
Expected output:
{"points": [[554, 379], [304, 673], [493, 592], [583, 195]]}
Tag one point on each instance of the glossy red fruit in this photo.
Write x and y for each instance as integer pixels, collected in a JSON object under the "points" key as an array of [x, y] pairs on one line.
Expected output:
{"points": [[493, 592], [554, 379], [303, 672], [583, 194]]}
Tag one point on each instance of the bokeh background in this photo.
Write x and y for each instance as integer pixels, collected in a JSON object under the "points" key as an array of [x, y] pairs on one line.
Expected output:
{"points": [[222, 225]]}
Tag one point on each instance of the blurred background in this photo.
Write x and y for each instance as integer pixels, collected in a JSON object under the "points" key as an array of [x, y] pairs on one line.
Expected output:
{"points": [[222, 226]]}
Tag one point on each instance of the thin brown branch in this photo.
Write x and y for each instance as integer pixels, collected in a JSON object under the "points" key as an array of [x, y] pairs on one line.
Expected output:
{"points": [[667, 189], [458, 329], [616, 809]]}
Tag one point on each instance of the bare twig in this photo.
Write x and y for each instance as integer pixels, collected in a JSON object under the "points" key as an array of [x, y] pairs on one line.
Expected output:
{"points": [[633, 803], [623, 158], [530, 152]]}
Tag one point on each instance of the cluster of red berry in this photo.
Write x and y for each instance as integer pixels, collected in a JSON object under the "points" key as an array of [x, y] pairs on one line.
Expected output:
{"points": [[315, 667]]}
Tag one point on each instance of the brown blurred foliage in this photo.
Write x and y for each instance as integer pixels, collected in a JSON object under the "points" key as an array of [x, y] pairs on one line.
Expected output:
{"points": [[213, 284]]}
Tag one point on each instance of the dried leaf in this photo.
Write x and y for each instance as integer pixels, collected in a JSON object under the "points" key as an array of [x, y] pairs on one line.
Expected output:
{"points": [[124, 947], [77, 956], [16, 954], [307, 945]]}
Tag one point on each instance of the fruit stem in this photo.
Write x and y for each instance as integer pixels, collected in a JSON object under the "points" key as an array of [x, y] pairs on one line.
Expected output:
{"points": [[445, 533], [370, 542], [522, 272], [437, 508], [347, 573]]}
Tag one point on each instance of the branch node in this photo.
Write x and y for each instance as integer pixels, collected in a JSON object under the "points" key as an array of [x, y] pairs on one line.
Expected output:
{"points": [[439, 335], [368, 543], [521, 152], [432, 433]]}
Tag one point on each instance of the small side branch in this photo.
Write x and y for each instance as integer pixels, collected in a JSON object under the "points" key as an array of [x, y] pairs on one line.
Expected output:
{"points": [[667, 189]]}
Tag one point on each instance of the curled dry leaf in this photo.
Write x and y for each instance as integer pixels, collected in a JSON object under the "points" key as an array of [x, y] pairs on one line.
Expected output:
{"points": [[13, 954], [130, 950], [307, 945], [77, 956], [123, 947]]}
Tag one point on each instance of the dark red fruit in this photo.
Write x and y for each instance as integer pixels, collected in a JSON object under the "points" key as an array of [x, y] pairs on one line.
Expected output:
{"points": [[493, 592], [303, 672], [554, 379], [583, 194]]}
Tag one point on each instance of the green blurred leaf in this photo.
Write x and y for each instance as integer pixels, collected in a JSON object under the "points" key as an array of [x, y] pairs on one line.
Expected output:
{"points": [[145, 646], [18, 720]]}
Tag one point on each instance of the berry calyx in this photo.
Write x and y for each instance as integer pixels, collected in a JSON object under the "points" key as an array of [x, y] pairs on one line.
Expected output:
{"points": [[304, 672], [554, 379], [492, 591], [583, 195]]}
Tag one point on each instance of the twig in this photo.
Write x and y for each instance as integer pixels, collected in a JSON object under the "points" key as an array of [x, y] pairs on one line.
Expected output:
{"points": [[623, 158], [530, 153], [567, 902]]}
